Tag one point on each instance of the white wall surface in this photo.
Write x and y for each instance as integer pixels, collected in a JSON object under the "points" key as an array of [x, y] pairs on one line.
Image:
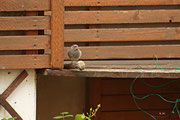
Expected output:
{"points": [[23, 99]]}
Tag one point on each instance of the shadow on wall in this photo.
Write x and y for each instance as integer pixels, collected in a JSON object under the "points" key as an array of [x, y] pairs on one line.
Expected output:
{"points": [[59, 94]]}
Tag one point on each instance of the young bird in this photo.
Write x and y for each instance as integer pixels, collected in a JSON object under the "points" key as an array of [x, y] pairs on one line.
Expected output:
{"points": [[74, 53]]}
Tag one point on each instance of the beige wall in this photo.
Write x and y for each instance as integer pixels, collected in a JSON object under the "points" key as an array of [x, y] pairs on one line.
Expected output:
{"points": [[59, 94]]}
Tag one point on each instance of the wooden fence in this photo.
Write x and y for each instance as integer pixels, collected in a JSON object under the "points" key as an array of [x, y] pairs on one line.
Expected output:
{"points": [[26, 36], [35, 35], [123, 29]]}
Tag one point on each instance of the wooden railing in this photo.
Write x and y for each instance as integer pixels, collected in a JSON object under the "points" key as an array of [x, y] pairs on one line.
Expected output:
{"points": [[104, 30], [30, 33], [124, 29]]}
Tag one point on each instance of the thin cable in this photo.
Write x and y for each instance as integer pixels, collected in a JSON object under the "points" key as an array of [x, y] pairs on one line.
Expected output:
{"points": [[164, 68], [140, 98]]}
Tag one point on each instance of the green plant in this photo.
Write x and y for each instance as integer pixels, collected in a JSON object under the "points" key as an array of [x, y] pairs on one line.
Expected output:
{"points": [[88, 116], [92, 113], [63, 116], [13, 118]]}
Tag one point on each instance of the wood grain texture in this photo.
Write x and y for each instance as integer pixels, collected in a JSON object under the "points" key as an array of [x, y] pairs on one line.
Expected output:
{"points": [[115, 73], [130, 64], [57, 33], [24, 5], [34, 32], [24, 42], [119, 2], [94, 88], [24, 61], [15, 84], [121, 86], [123, 34], [24, 23], [129, 52], [114, 17]]}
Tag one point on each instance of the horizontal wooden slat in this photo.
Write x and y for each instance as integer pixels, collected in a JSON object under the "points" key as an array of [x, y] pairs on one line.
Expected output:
{"points": [[25, 23], [117, 17], [126, 34], [129, 52], [24, 42], [139, 115], [119, 2], [24, 5], [121, 86], [126, 103], [130, 64], [24, 61]]}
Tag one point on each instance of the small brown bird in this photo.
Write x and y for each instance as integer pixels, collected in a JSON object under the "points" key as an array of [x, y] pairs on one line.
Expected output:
{"points": [[74, 53]]}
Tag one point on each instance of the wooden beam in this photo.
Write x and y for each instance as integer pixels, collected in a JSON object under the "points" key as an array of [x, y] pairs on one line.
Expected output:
{"points": [[24, 42], [24, 23], [130, 64], [15, 84], [122, 16], [129, 52], [115, 73], [24, 61], [24, 5], [119, 2], [57, 33], [122, 34], [9, 109]]}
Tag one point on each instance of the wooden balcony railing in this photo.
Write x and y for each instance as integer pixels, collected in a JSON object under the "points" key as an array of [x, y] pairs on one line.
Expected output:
{"points": [[25, 37], [123, 29], [104, 30]]}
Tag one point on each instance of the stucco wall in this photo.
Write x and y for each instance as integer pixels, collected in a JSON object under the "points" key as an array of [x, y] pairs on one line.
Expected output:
{"points": [[23, 99]]}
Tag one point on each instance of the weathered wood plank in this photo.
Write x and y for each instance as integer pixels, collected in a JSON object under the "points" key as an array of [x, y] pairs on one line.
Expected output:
{"points": [[125, 34], [130, 64], [24, 61], [119, 2], [57, 33], [32, 32], [24, 5], [115, 73], [114, 17], [24, 42], [129, 52], [25, 23]]}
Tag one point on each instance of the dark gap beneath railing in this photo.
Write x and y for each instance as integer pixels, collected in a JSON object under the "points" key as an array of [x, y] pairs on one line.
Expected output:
{"points": [[155, 7], [19, 52], [127, 43], [129, 25]]}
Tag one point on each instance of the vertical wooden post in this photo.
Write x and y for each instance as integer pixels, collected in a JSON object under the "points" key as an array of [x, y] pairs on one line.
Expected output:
{"points": [[57, 33]]}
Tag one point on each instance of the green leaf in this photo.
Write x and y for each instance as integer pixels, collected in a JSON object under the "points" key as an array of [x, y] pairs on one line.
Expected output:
{"points": [[91, 109], [4, 119], [80, 117], [12, 118], [58, 117], [69, 116], [65, 113]]}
